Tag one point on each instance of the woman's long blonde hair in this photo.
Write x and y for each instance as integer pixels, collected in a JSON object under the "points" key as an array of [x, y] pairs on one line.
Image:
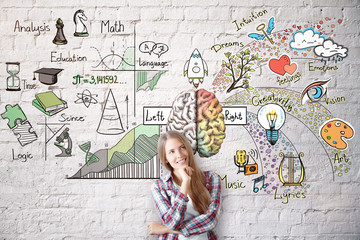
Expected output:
{"points": [[198, 192]]}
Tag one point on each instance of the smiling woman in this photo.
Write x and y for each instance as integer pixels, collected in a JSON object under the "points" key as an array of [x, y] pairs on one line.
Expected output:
{"points": [[187, 199]]}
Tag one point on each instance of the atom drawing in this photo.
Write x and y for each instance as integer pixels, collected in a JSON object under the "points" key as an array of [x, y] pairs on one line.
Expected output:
{"points": [[86, 98]]}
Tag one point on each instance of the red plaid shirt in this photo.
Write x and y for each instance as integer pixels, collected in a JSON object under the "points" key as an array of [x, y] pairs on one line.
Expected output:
{"points": [[171, 206]]}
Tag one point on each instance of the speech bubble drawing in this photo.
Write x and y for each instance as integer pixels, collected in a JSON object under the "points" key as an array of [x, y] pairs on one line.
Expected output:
{"points": [[160, 49], [147, 47], [152, 47]]}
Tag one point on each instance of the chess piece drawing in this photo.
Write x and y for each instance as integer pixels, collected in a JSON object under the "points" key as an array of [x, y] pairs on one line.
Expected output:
{"points": [[60, 37], [80, 28]]}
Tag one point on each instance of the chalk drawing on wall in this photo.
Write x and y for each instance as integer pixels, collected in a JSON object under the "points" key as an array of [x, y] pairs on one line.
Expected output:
{"points": [[110, 121], [86, 98], [335, 131], [89, 157], [257, 180], [148, 79], [80, 27], [272, 118], [299, 42], [198, 115], [251, 168], [64, 143], [267, 34], [302, 40], [19, 124], [292, 172], [195, 68], [282, 40], [314, 91], [48, 76], [60, 37], [311, 115], [241, 160], [269, 155], [116, 61], [48, 103], [235, 71], [282, 65], [255, 154], [144, 79], [152, 47], [330, 50], [133, 157], [13, 81], [51, 130]]}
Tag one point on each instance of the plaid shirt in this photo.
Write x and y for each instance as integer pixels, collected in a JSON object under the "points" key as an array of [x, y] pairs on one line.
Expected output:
{"points": [[171, 206]]}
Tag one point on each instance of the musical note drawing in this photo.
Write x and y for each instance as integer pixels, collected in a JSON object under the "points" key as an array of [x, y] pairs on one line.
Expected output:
{"points": [[266, 34], [259, 179]]}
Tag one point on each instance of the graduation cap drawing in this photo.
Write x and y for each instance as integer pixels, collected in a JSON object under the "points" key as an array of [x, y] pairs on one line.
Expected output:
{"points": [[48, 76]]}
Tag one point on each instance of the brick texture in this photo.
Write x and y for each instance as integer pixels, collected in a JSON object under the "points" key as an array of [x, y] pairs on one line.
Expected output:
{"points": [[37, 201]]}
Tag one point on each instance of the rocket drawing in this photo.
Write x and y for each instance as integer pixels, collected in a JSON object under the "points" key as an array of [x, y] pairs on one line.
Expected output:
{"points": [[195, 68]]}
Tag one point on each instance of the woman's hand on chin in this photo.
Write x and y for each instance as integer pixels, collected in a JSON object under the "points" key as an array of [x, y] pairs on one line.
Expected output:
{"points": [[186, 173]]}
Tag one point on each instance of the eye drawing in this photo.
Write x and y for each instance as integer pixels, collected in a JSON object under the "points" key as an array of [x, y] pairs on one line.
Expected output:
{"points": [[314, 92]]}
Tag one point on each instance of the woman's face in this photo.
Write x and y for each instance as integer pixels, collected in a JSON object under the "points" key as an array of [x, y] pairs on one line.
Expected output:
{"points": [[176, 153]]}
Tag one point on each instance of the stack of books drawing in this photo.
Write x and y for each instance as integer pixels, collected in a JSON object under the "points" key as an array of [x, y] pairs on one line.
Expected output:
{"points": [[49, 103]]}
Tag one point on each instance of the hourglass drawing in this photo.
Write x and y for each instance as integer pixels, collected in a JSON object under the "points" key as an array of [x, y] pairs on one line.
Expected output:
{"points": [[13, 81]]}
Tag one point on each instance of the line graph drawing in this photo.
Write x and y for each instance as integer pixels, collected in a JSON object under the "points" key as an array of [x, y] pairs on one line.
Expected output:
{"points": [[115, 61]]}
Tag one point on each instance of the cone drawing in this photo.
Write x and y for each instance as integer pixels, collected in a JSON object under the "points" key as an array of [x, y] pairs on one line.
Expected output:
{"points": [[110, 122]]}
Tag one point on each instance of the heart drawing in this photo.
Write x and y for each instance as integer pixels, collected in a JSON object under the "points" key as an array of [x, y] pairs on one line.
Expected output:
{"points": [[290, 69], [282, 65]]}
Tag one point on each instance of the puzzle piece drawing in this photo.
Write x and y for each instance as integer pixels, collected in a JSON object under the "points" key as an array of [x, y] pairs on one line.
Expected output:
{"points": [[19, 125], [12, 114], [25, 132]]}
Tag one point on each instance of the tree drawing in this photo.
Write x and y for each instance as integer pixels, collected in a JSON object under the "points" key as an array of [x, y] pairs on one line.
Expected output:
{"points": [[239, 66]]}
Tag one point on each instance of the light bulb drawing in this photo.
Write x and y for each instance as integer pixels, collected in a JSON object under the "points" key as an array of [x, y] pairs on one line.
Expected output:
{"points": [[272, 118]]}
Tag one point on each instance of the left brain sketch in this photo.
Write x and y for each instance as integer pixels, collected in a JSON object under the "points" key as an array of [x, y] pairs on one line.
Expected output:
{"points": [[198, 115]]}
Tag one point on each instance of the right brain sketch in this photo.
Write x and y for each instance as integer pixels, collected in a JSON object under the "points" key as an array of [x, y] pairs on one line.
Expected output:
{"points": [[198, 115]]}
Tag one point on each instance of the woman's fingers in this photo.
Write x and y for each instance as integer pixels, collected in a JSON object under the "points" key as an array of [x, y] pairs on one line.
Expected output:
{"points": [[151, 229], [189, 170]]}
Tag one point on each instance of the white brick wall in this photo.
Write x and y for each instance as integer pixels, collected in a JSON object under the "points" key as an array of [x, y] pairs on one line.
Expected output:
{"points": [[38, 202]]}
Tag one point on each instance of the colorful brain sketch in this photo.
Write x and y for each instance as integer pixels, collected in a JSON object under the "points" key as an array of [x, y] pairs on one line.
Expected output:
{"points": [[333, 132], [198, 115]]}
